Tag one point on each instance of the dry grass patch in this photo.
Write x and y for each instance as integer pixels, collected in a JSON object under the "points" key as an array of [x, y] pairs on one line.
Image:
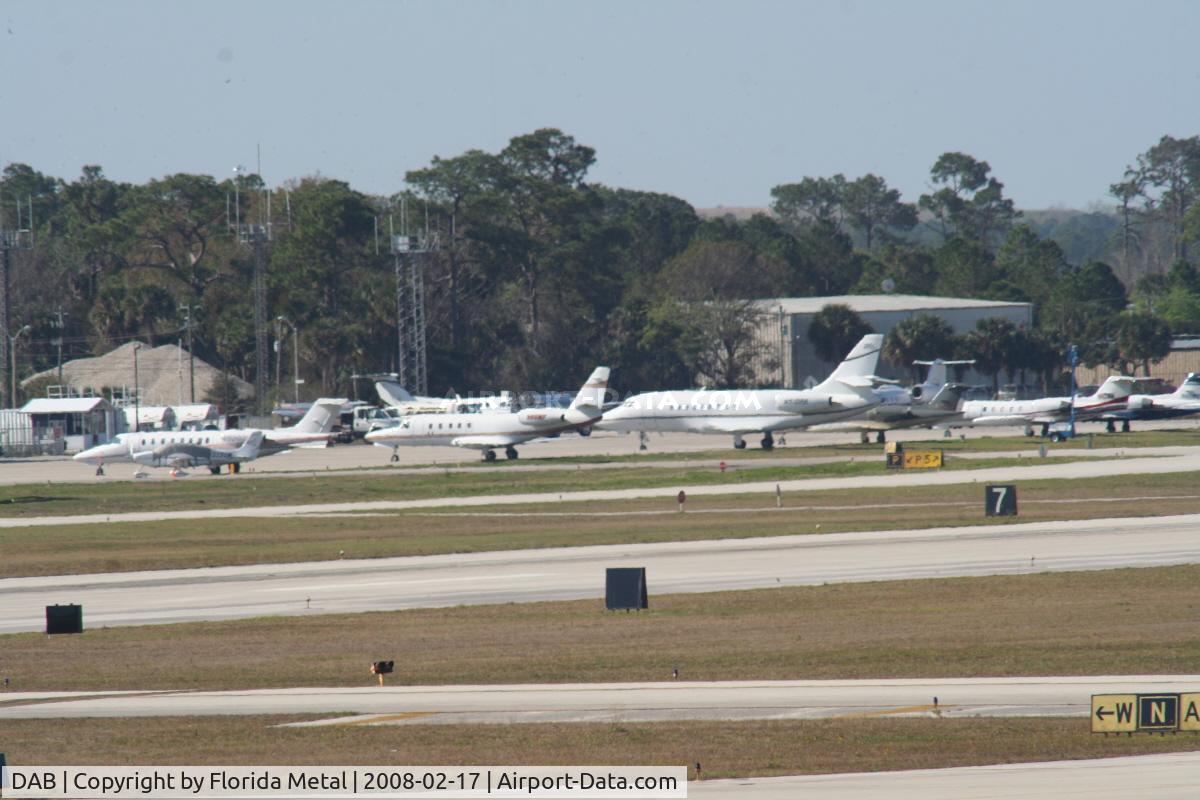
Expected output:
{"points": [[1076, 623], [725, 749]]}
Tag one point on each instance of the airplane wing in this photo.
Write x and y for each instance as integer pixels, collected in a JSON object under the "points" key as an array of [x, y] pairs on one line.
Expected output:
{"points": [[742, 424], [178, 460], [491, 441]]}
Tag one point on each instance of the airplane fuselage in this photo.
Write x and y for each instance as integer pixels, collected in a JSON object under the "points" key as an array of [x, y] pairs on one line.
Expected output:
{"points": [[735, 412]]}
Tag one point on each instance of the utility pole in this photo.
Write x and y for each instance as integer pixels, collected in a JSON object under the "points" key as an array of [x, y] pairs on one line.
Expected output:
{"points": [[137, 390], [12, 341], [59, 326], [187, 326], [281, 320], [18, 238]]}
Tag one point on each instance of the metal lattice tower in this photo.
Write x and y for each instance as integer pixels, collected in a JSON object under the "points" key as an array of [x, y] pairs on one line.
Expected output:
{"points": [[18, 238], [256, 236], [408, 260]]}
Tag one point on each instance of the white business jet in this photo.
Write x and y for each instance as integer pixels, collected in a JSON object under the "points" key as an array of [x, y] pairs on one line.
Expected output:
{"points": [[844, 394], [213, 449], [927, 404], [490, 432], [1113, 395]]}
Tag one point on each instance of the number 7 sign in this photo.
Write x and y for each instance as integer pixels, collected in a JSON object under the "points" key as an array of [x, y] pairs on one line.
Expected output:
{"points": [[1000, 501]]}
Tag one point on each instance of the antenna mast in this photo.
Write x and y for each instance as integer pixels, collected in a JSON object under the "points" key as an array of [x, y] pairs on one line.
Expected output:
{"points": [[256, 236]]}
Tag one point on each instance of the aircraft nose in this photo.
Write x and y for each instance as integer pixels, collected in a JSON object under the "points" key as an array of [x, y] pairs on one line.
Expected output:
{"points": [[90, 454]]}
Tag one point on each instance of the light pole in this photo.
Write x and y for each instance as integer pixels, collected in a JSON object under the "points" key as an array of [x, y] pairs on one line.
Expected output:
{"points": [[295, 358], [137, 391], [12, 341]]}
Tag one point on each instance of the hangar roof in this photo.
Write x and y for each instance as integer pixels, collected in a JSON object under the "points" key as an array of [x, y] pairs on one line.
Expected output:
{"points": [[64, 405], [881, 302]]}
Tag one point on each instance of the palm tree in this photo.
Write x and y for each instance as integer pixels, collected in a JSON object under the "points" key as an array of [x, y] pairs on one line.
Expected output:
{"points": [[834, 330], [992, 345], [924, 336]]}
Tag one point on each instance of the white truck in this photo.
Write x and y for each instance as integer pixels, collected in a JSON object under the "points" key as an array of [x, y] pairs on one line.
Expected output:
{"points": [[360, 420]]}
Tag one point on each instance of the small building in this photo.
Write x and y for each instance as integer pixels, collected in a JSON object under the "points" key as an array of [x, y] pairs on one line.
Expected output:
{"points": [[149, 418], [70, 424], [1183, 359], [788, 359], [197, 417]]}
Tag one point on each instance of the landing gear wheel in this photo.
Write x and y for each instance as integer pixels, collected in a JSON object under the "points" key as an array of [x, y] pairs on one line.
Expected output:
{"points": [[100, 470], [880, 437], [215, 470], [236, 468], [768, 442], [739, 443], [510, 453], [1046, 431], [1125, 426], [1111, 426], [489, 456], [395, 457], [864, 438]]}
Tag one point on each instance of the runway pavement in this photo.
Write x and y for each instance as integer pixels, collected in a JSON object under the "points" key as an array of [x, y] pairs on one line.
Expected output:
{"points": [[628, 702], [343, 586], [1169, 776]]}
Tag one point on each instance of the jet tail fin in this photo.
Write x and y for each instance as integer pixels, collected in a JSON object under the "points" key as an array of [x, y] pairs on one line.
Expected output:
{"points": [[1115, 387], [591, 395], [321, 417], [249, 449], [1189, 384], [858, 367], [946, 396], [393, 393], [938, 374]]}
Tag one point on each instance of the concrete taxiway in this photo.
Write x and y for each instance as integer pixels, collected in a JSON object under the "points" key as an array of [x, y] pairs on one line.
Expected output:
{"points": [[1169, 776], [344, 586], [629, 702]]}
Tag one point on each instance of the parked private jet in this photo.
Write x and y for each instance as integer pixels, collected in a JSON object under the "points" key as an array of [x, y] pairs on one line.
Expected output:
{"points": [[1112, 396], [845, 393], [214, 449], [490, 432], [1183, 402], [395, 396], [927, 404]]}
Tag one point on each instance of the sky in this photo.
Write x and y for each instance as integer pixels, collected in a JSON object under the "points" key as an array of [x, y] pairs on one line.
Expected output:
{"points": [[711, 101]]}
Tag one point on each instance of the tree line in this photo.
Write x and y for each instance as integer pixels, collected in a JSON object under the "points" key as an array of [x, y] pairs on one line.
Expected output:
{"points": [[541, 274]]}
